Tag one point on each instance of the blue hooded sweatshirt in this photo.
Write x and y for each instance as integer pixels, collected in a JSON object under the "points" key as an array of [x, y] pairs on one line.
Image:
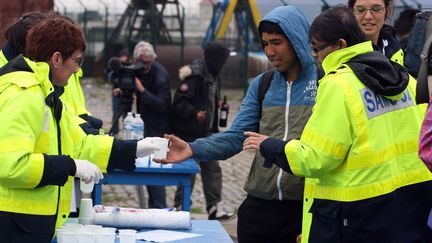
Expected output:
{"points": [[285, 110]]}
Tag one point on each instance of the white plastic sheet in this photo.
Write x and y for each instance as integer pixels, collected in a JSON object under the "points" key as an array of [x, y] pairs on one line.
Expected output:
{"points": [[142, 218]]}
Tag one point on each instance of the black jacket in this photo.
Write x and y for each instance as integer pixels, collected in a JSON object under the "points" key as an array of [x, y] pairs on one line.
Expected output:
{"points": [[388, 33], [190, 97], [154, 103]]}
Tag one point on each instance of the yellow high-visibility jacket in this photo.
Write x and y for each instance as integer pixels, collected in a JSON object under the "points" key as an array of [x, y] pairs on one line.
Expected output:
{"points": [[28, 133], [341, 145], [73, 95], [339, 153], [3, 59], [398, 57]]}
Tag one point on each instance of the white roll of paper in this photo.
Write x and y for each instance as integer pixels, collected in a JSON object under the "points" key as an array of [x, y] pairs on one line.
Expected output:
{"points": [[142, 218]]}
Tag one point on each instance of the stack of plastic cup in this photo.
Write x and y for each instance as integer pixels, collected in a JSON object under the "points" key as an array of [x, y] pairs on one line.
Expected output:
{"points": [[66, 236], [68, 233], [93, 227], [73, 233], [127, 236], [72, 226], [105, 235], [86, 214], [86, 235], [107, 229]]}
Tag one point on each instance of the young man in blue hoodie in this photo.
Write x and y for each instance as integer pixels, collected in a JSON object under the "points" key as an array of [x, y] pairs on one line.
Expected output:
{"points": [[272, 210]]}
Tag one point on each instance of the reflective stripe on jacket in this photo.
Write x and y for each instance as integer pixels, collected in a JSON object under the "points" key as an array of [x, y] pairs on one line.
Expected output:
{"points": [[27, 131], [340, 146]]}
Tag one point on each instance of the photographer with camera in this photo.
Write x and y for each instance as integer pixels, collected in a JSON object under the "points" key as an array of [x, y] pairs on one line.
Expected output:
{"points": [[153, 103], [119, 107]]}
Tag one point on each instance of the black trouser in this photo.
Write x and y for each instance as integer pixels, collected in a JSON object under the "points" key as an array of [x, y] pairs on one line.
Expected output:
{"points": [[211, 177], [20, 228], [397, 217], [269, 221]]}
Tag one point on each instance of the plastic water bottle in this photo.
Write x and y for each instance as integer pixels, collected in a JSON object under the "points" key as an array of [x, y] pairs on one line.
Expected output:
{"points": [[138, 127], [127, 126]]}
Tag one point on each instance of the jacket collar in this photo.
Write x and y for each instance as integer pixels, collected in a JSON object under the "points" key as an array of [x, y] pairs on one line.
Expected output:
{"points": [[25, 73], [337, 58], [42, 74], [9, 51]]}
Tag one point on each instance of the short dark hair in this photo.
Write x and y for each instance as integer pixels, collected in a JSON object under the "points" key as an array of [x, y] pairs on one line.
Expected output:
{"points": [[336, 23], [54, 34], [387, 3], [269, 27], [17, 32], [352, 2]]}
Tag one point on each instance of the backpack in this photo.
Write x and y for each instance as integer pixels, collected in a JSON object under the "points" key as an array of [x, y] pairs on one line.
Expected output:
{"points": [[265, 82], [417, 59], [416, 42]]}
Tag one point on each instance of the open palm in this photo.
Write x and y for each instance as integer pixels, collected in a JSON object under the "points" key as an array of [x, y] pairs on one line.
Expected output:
{"points": [[179, 150]]}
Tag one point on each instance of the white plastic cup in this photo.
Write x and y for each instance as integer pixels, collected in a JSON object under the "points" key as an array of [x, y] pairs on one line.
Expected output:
{"points": [[163, 147], [65, 236], [86, 221], [142, 161], [86, 187], [86, 236], [105, 237], [71, 226], [93, 227], [127, 236], [152, 164], [86, 214], [108, 229]]}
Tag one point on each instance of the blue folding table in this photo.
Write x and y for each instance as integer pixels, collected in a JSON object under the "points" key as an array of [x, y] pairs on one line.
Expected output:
{"points": [[210, 231], [179, 174]]}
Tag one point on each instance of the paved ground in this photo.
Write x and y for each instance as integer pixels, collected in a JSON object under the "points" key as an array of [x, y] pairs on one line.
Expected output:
{"points": [[235, 169]]}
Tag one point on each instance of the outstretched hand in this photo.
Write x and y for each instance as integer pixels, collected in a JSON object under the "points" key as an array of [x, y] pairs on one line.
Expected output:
{"points": [[253, 140], [179, 150]]}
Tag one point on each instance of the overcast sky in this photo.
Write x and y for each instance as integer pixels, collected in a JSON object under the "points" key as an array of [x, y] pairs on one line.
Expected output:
{"points": [[310, 7], [113, 5]]}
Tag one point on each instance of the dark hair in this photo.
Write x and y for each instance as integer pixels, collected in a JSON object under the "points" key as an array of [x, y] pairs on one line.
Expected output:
{"points": [[215, 56], [17, 32], [403, 23], [54, 34], [352, 2], [387, 3], [269, 27], [336, 23]]}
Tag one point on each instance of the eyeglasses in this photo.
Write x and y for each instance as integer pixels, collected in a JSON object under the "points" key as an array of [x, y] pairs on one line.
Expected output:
{"points": [[78, 60], [361, 10], [321, 47]]}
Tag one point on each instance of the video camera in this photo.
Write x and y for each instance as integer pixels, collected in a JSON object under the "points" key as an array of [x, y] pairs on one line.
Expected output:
{"points": [[124, 73]]}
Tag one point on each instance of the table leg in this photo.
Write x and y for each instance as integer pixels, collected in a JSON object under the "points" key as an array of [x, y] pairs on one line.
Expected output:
{"points": [[141, 196], [97, 193], [186, 191]]}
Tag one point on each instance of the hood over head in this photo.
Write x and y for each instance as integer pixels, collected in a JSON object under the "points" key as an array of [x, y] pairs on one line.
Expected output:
{"points": [[215, 56], [296, 28], [378, 73]]}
